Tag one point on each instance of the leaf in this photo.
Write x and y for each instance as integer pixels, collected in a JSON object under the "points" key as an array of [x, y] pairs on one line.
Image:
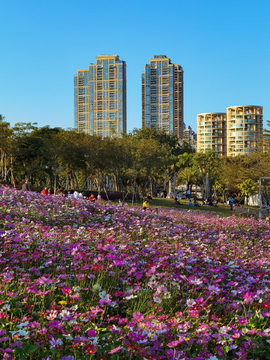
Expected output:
{"points": [[19, 351], [29, 349], [105, 348], [44, 355], [226, 349], [23, 358]]}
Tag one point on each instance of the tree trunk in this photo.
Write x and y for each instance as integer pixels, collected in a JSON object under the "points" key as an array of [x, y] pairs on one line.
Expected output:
{"points": [[54, 190], [206, 184]]}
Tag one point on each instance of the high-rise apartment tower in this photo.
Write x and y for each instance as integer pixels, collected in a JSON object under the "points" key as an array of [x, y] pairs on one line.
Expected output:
{"points": [[162, 95], [100, 97]]}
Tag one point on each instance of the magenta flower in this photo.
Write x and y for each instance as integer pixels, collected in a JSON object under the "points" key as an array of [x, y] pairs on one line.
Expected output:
{"points": [[66, 290], [242, 321], [91, 333]]}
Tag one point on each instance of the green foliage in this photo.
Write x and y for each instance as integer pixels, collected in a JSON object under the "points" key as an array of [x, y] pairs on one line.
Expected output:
{"points": [[248, 187], [136, 162]]}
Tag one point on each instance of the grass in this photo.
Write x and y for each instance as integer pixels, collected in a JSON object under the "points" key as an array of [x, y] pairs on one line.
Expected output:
{"points": [[168, 203], [220, 208]]}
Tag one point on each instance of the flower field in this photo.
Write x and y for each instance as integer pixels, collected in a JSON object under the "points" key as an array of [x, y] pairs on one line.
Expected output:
{"points": [[98, 281]]}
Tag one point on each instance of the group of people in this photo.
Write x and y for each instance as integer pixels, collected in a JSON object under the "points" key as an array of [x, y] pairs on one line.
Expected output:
{"points": [[194, 203], [93, 199]]}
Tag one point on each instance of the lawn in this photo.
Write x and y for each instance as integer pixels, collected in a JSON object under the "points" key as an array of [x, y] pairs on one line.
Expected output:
{"points": [[222, 209], [100, 281]]}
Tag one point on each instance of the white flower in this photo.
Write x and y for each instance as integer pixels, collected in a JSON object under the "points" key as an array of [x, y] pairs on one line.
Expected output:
{"points": [[190, 302]]}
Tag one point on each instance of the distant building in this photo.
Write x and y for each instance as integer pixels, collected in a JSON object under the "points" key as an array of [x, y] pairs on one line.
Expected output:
{"points": [[244, 129], [100, 97], [189, 136], [211, 132], [162, 95]]}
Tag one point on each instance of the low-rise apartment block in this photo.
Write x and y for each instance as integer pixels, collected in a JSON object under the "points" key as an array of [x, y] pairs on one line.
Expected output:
{"points": [[244, 128], [211, 132], [236, 132]]}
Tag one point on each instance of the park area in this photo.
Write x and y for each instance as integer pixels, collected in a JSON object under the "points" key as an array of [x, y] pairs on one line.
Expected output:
{"points": [[99, 281]]}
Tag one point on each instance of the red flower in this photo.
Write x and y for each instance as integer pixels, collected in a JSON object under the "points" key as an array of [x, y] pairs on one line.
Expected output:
{"points": [[90, 349]]}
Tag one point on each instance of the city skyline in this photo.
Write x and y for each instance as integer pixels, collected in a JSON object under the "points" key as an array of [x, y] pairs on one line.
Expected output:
{"points": [[225, 61]]}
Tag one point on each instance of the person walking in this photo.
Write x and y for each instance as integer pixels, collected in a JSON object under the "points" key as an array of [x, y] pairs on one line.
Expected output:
{"points": [[231, 201], [145, 205]]}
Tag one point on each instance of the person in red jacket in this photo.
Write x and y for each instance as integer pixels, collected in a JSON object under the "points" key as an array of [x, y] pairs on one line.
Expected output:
{"points": [[45, 191], [92, 198]]}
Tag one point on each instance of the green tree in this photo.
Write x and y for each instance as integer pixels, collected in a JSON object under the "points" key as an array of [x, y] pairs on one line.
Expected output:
{"points": [[207, 164], [188, 174], [6, 147], [248, 188]]}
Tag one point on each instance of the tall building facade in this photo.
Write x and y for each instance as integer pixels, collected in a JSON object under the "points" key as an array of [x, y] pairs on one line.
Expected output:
{"points": [[212, 132], [162, 95], [244, 128], [100, 97]]}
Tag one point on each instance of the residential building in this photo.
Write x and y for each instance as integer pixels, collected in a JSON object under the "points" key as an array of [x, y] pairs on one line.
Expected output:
{"points": [[244, 129], [100, 97], [162, 95], [211, 132], [237, 132]]}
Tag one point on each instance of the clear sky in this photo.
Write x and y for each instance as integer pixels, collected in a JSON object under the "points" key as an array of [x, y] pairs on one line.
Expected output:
{"points": [[222, 45]]}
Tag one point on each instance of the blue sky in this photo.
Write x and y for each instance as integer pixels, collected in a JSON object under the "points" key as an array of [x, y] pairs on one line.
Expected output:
{"points": [[222, 45]]}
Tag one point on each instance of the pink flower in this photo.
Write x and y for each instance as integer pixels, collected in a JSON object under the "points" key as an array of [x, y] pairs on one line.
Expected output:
{"points": [[137, 316], [175, 343], [116, 349], [194, 313]]}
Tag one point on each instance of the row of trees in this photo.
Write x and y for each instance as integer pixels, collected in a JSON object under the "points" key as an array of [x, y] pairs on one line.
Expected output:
{"points": [[53, 157], [137, 162]]}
